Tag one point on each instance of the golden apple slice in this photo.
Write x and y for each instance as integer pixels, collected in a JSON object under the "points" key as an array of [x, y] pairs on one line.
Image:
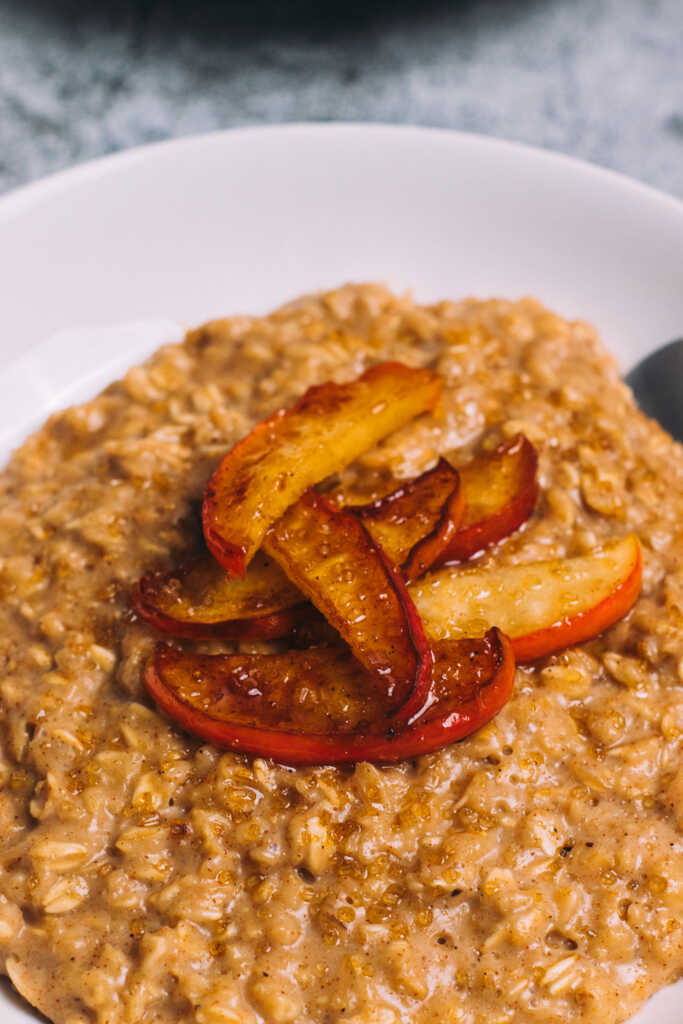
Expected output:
{"points": [[329, 427], [329, 555], [199, 599], [500, 491], [542, 606], [416, 523], [316, 706]]}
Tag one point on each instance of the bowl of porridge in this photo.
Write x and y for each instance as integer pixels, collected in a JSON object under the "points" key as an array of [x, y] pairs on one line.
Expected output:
{"points": [[519, 863]]}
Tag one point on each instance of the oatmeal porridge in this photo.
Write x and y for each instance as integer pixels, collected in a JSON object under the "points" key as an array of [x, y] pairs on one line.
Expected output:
{"points": [[530, 874]]}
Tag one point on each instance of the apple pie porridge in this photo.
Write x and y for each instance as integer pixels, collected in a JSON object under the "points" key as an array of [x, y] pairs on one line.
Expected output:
{"points": [[165, 860]]}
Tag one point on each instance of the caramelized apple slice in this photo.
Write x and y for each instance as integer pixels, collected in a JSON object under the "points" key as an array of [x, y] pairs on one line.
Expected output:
{"points": [[500, 491], [416, 523], [543, 606], [329, 427], [313, 707], [329, 555], [199, 599]]}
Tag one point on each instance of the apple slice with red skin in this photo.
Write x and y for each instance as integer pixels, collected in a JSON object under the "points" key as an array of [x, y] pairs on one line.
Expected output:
{"points": [[330, 556], [316, 707], [330, 426], [542, 606], [413, 526], [500, 491], [417, 522], [200, 600]]}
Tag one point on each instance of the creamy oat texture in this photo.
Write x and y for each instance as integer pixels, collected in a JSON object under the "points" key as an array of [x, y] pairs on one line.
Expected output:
{"points": [[532, 874]]}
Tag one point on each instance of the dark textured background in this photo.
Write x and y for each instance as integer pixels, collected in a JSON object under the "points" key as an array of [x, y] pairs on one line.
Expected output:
{"points": [[600, 79]]}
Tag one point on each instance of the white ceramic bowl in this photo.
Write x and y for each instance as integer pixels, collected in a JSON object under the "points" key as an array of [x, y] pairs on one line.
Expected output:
{"points": [[101, 264]]}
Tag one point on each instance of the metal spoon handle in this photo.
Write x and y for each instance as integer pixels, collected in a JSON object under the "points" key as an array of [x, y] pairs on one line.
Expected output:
{"points": [[657, 383]]}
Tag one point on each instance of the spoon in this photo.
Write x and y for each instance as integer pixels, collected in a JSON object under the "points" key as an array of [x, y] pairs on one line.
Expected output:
{"points": [[657, 383]]}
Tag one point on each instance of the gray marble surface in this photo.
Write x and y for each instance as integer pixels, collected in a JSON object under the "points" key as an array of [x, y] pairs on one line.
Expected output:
{"points": [[599, 79]]}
